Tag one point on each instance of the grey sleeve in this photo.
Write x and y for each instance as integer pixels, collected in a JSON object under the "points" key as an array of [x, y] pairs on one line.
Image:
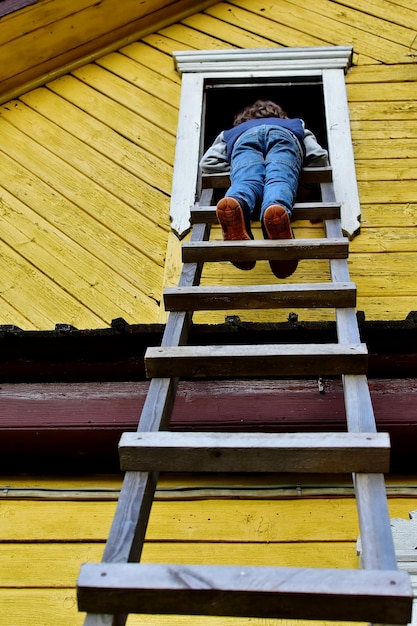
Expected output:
{"points": [[214, 160], [316, 156]]}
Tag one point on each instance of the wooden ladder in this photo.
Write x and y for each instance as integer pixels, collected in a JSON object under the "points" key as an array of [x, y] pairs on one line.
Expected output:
{"points": [[120, 584]]}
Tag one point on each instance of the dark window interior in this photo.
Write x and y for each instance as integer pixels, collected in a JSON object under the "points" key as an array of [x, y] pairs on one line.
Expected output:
{"points": [[299, 99]]}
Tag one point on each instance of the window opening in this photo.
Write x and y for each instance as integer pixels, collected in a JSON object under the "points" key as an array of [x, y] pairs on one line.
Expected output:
{"points": [[298, 99], [308, 82]]}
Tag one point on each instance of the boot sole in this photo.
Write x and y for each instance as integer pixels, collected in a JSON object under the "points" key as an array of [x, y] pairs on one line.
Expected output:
{"points": [[231, 219], [277, 226]]}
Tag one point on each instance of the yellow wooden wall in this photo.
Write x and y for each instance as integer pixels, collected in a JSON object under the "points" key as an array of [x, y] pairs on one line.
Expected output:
{"points": [[49, 527], [85, 238], [87, 167], [49, 35]]}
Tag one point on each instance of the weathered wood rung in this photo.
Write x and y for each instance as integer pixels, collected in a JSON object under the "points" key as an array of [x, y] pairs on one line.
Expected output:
{"points": [[233, 361], [308, 175], [264, 592], [342, 453], [301, 211], [258, 249], [307, 295]]}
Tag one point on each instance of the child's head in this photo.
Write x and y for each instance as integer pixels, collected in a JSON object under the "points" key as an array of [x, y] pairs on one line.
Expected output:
{"points": [[260, 108]]}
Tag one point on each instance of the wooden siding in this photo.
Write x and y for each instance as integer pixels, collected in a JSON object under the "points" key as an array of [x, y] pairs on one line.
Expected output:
{"points": [[87, 166], [82, 423], [49, 527], [45, 38]]}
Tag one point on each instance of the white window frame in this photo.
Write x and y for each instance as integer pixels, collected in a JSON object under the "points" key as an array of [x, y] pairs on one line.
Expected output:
{"points": [[329, 63]]}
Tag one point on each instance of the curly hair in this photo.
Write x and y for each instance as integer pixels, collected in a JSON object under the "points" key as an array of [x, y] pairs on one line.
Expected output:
{"points": [[259, 109]]}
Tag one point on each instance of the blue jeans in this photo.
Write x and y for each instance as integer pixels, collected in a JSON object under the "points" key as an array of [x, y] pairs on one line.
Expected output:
{"points": [[265, 167]]}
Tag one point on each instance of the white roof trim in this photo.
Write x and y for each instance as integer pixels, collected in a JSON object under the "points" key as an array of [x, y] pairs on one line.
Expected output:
{"points": [[207, 61], [329, 62]]}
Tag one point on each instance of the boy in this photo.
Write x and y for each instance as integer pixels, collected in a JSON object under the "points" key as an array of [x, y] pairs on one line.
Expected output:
{"points": [[265, 151]]}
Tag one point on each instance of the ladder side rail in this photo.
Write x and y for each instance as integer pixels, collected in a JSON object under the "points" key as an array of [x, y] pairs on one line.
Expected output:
{"points": [[127, 532], [374, 522]]}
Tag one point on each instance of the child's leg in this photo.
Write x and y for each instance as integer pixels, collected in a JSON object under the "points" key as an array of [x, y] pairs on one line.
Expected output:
{"points": [[247, 172], [237, 208], [282, 170], [283, 162]]}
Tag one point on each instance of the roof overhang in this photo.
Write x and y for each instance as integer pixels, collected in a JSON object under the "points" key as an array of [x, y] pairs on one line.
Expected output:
{"points": [[48, 38]]}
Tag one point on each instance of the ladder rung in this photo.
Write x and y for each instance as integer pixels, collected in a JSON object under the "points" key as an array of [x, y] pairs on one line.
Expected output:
{"points": [[265, 592], [301, 211], [258, 249], [232, 361], [316, 211], [317, 295], [308, 175], [166, 451]]}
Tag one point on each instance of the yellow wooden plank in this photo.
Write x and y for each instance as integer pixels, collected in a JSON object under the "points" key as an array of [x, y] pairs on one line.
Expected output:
{"points": [[90, 160], [40, 607], [75, 43], [376, 215], [33, 17], [330, 519], [327, 23], [230, 24], [385, 149], [153, 59], [394, 276], [30, 607], [375, 73], [81, 229], [40, 564], [396, 270], [80, 189], [392, 240], [381, 307], [8, 312], [383, 92], [82, 226], [233, 17], [228, 30], [91, 282], [87, 21], [395, 191], [139, 75], [225, 273], [373, 129], [307, 271], [163, 43], [196, 620], [377, 38], [186, 38], [173, 268], [390, 12], [279, 316], [384, 111], [379, 23], [386, 169], [102, 123], [171, 482], [26, 290], [160, 113]]}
